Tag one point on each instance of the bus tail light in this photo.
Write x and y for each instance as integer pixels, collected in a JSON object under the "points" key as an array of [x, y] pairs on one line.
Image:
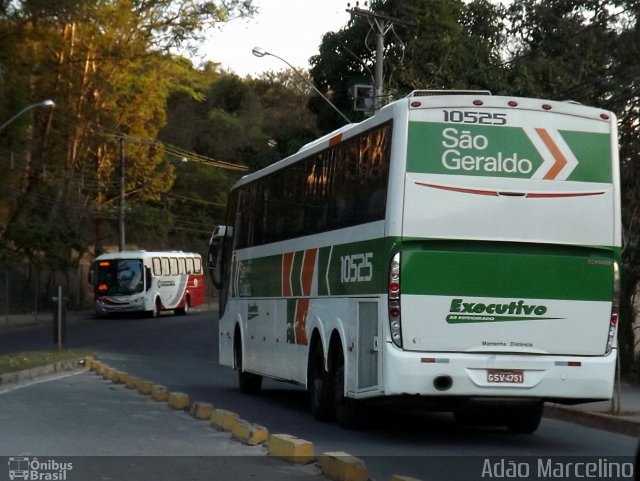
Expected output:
{"points": [[613, 323], [395, 324]]}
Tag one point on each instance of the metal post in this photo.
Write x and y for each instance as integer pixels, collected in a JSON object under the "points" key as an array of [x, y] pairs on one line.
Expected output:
{"points": [[121, 216], [379, 72], [6, 295], [37, 307], [381, 24], [260, 52], [60, 301]]}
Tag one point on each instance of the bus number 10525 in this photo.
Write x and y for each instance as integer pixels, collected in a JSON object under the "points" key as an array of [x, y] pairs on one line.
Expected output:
{"points": [[469, 117], [356, 267]]}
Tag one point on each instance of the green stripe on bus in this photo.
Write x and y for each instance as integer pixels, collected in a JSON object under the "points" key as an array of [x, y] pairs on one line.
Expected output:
{"points": [[593, 152], [437, 148], [505, 274], [296, 271]]}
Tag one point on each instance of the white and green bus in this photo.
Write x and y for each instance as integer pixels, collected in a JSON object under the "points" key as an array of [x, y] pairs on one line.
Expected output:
{"points": [[456, 249]]}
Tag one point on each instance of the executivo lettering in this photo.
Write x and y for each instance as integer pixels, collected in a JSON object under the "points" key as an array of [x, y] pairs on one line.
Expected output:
{"points": [[464, 311]]}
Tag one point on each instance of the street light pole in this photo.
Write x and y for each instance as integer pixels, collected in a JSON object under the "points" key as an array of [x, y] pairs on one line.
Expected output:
{"points": [[121, 213], [260, 52], [44, 103]]}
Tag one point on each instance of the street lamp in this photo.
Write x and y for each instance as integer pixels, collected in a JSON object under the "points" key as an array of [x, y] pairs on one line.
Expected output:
{"points": [[44, 103], [260, 52]]}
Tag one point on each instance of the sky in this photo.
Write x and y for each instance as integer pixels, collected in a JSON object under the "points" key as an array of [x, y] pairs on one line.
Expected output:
{"points": [[291, 29]]}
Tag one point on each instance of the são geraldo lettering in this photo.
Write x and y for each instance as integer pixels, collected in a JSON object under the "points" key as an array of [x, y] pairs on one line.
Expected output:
{"points": [[457, 156]]}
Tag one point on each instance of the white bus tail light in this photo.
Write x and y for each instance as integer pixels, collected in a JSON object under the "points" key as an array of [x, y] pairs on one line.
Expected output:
{"points": [[395, 324], [613, 323]]}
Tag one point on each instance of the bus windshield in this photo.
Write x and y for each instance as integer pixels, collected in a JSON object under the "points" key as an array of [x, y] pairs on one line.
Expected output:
{"points": [[119, 276]]}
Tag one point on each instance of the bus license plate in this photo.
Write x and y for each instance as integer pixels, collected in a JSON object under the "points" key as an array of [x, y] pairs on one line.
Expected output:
{"points": [[505, 376]]}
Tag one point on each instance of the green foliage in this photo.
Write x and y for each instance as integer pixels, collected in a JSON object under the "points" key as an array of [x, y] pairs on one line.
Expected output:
{"points": [[429, 44], [108, 65]]}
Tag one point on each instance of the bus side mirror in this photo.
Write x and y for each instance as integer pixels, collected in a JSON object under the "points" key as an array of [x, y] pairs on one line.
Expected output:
{"points": [[214, 257], [90, 275]]}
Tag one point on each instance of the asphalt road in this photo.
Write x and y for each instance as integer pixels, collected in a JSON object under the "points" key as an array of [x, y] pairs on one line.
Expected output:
{"points": [[181, 353]]}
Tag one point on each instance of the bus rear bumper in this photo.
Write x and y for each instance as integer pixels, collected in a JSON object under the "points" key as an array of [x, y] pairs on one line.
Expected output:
{"points": [[563, 379]]}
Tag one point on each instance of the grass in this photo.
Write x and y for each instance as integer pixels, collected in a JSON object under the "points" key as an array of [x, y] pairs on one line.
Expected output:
{"points": [[26, 360]]}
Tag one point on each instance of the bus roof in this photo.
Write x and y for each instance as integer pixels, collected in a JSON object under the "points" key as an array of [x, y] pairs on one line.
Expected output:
{"points": [[143, 254], [422, 99]]}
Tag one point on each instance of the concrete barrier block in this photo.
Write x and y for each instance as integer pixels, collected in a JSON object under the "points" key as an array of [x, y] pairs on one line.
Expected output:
{"points": [[290, 448], [223, 419], [160, 393], [132, 382], [88, 362], [144, 387], [249, 433], [341, 466], [122, 377], [178, 400], [202, 410]]}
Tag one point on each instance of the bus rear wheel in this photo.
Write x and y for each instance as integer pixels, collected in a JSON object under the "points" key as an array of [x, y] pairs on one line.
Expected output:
{"points": [[525, 420], [181, 311], [348, 411], [320, 387], [248, 382]]}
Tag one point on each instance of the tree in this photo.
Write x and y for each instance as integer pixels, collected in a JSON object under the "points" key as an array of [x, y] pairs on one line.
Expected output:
{"points": [[110, 68], [432, 44]]}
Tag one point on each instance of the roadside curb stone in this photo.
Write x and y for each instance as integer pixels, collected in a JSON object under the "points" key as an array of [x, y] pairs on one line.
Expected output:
{"points": [[39, 371]]}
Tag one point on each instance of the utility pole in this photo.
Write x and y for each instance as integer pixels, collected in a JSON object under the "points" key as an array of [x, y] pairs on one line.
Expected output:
{"points": [[380, 24], [121, 214]]}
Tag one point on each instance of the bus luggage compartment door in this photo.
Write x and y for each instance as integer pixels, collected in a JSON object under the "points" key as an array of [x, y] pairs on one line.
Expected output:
{"points": [[367, 346]]}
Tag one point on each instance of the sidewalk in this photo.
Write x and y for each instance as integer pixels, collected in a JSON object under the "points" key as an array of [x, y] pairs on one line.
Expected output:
{"points": [[80, 422], [620, 415]]}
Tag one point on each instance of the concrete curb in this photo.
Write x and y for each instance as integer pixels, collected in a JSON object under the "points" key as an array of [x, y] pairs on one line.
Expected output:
{"points": [[341, 466], [605, 422], [338, 466], [249, 433], [39, 371], [201, 410], [160, 393], [224, 420], [292, 449], [179, 401]]}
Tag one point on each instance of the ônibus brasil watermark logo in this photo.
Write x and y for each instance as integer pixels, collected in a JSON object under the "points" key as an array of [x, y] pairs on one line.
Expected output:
{"points": [[464, 311], [22, 467]]}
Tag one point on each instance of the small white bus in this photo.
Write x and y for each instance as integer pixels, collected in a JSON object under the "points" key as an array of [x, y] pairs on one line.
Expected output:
{"points": [[459, 249], [150, 282]]}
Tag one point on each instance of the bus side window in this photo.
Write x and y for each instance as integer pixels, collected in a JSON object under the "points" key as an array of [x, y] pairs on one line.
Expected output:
{"points": [[181, 265], [165, 266], [197, 265], [189, 265], [173, 261], [157, 267], [147, 277]]}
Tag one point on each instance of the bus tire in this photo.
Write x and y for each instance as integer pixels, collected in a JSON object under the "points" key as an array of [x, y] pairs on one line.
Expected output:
{"points": [[320, 387], [181, 311], [348, 411], [248, 382], [155, 312], [525, 420]]}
